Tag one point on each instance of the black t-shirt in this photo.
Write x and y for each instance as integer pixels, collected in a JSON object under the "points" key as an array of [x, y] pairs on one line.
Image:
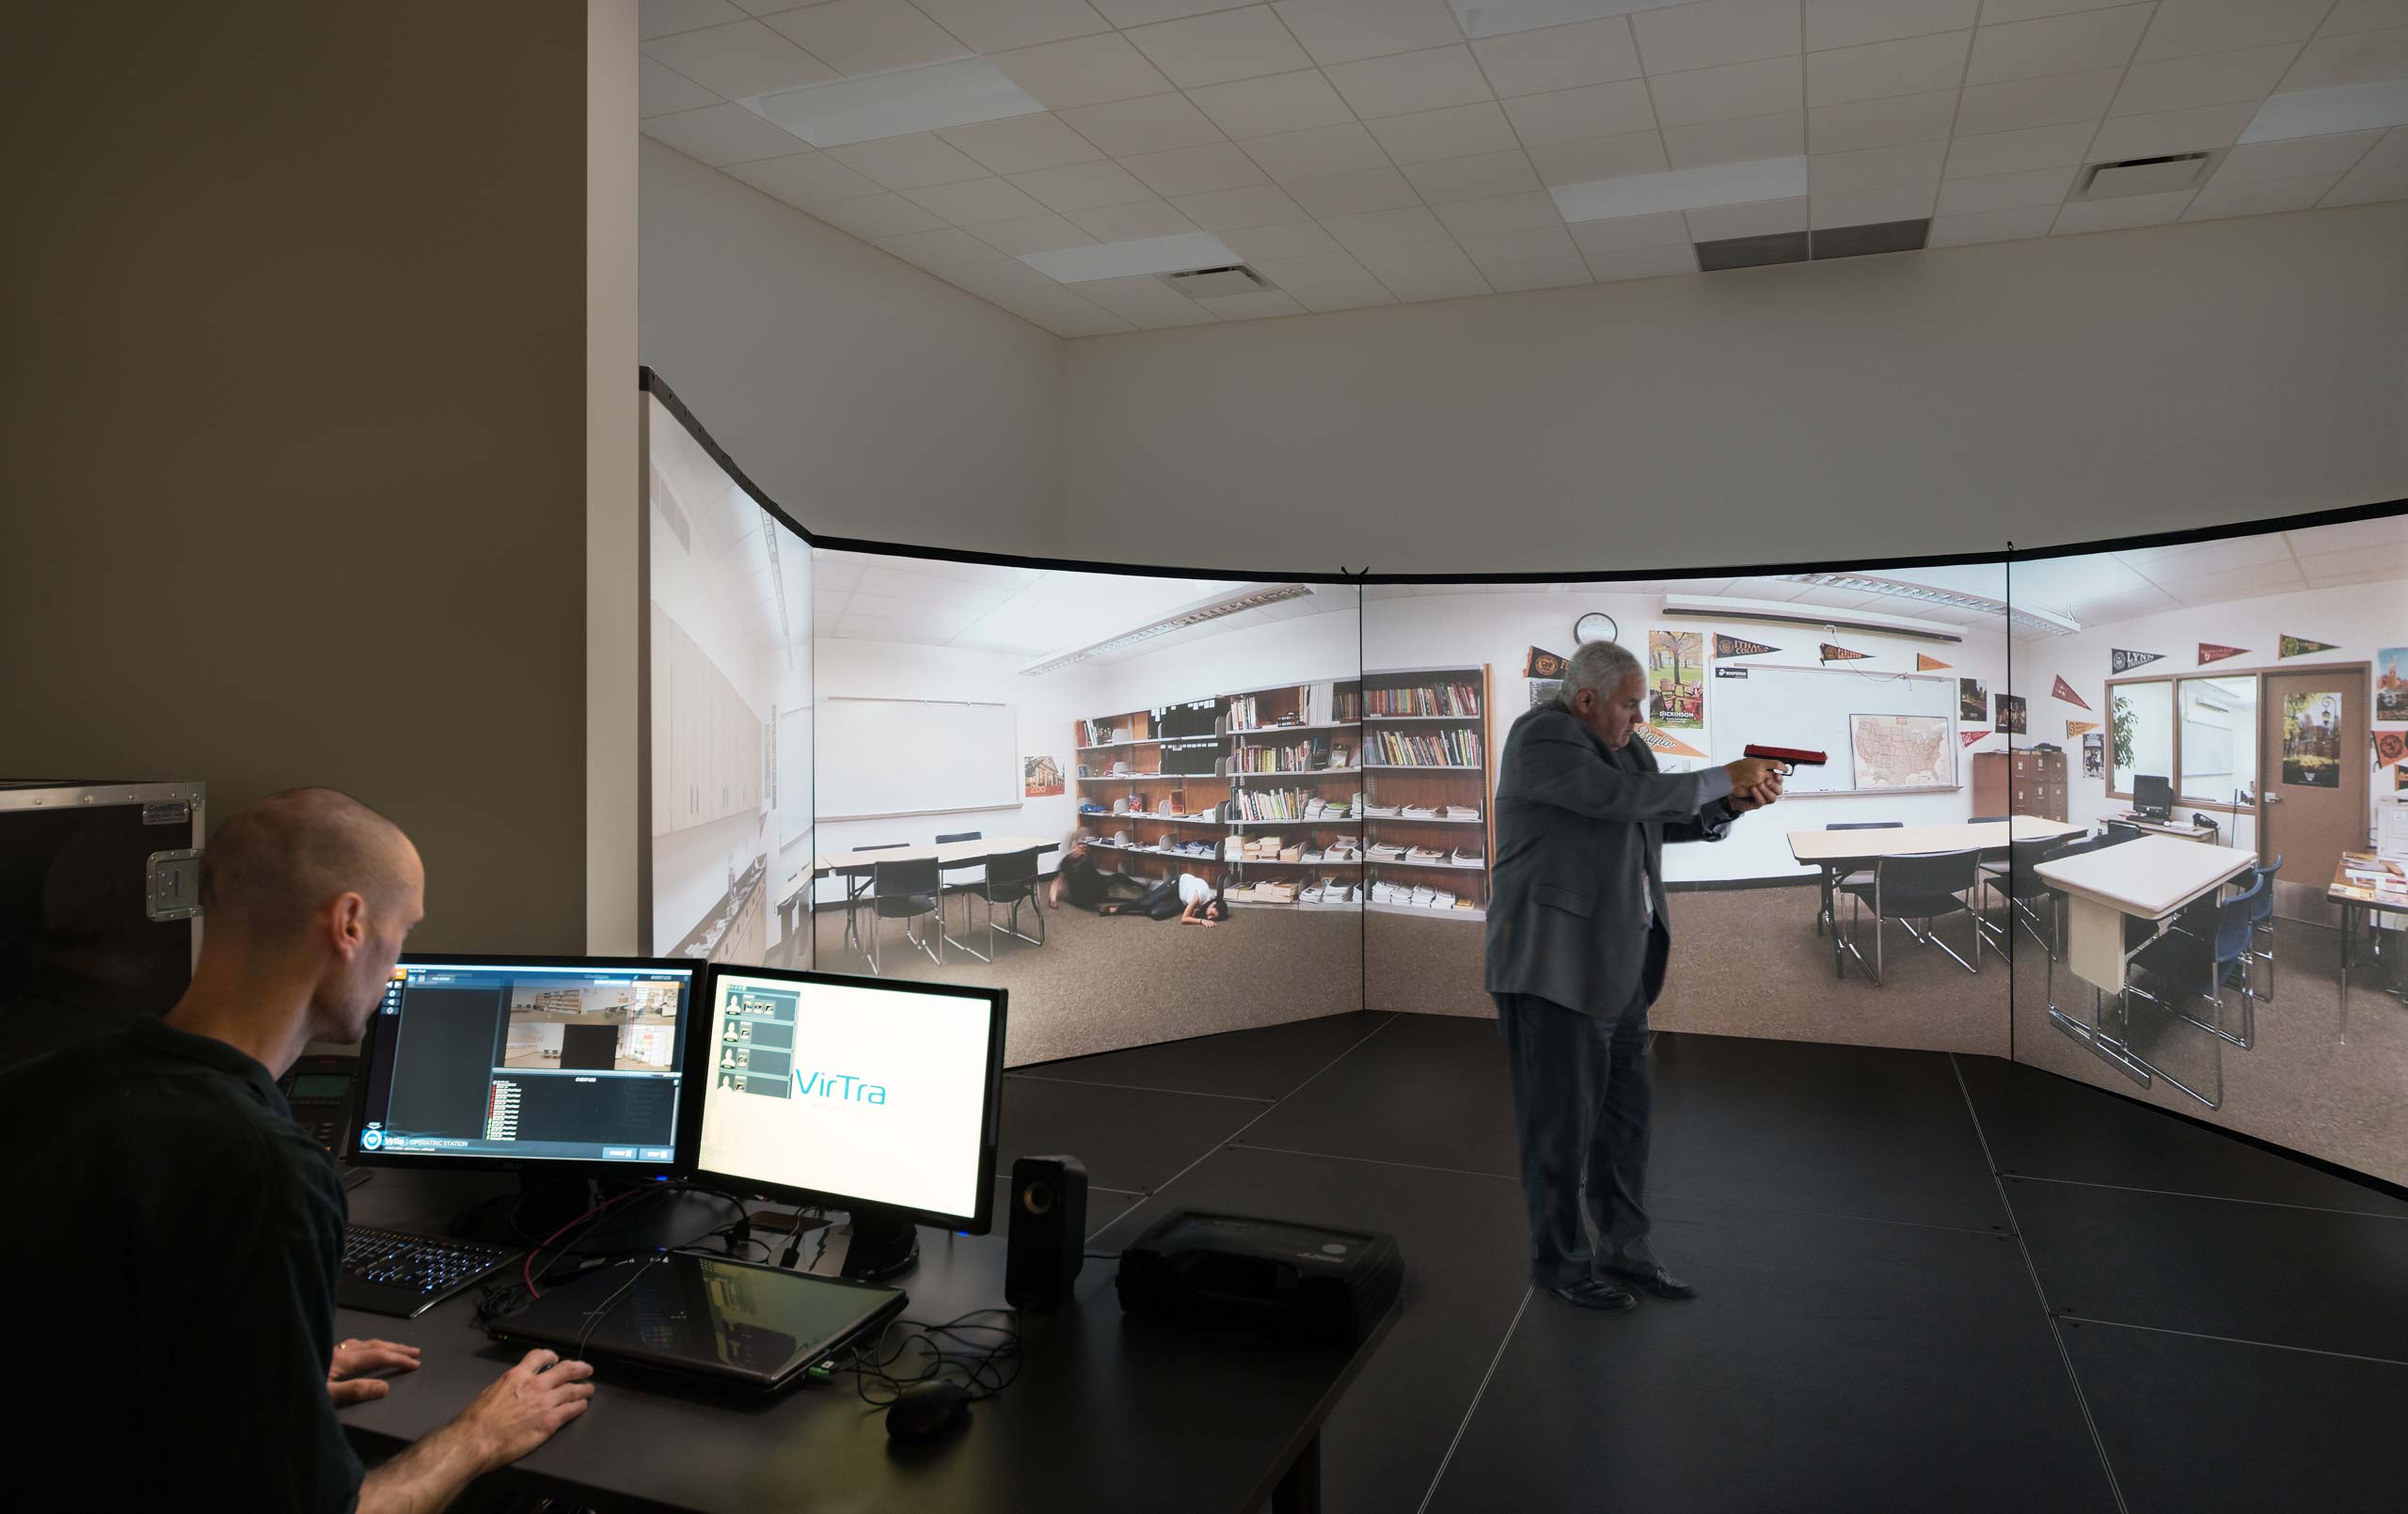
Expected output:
{"points": [[171, 1258], [1083, 882]]}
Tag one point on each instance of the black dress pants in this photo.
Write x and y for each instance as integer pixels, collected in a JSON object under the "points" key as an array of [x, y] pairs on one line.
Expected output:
{"points": [[1582, 1094]]}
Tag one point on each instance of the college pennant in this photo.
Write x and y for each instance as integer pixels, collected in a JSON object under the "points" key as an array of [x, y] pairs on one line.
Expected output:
{"points": [[1925, 662], [2299, 646], [2123, 662], [2065, 692], [1664, 744], [2390, 748], [1542, 663], [1731, 646], [2210, 652], [1968, 737], [1837, 653], [2075, 728]]}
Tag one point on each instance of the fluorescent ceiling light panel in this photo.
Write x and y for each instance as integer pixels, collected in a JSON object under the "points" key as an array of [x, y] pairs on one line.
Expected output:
{"points": [[1196, 614], [1686, 189], [1120, 260], [1489, 18], [2030, 617], [961, 93], [2321, 112]]}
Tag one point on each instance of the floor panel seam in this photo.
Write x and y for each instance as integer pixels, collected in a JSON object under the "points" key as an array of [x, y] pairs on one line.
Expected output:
{"points": [[1478, 1393], [2218, 1198], [1375, 1161], [1136, 1088], [2236, 1340]]}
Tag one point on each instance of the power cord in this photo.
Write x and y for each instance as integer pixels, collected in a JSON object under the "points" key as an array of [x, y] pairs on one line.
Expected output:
{"points": [[987, 1355]]}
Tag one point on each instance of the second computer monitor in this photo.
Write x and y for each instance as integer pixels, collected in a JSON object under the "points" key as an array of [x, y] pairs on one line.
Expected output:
{"points": [[852, 1093], [2152, 796]]}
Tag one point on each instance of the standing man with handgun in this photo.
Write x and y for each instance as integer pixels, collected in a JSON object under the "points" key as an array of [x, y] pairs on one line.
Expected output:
{"points": [[1577, 948]]}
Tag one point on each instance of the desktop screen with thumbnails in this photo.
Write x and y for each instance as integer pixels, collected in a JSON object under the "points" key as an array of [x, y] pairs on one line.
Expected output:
{"points": [[854, 1090]]}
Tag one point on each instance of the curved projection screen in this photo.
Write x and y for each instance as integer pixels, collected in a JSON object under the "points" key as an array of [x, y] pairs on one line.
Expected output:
{"points": [[1318, 759]]}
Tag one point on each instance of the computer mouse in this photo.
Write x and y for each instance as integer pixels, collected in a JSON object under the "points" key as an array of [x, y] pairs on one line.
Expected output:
{"points": [[927, 1409]]}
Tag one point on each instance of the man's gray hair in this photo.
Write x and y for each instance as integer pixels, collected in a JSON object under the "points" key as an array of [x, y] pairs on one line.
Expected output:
{"points": [[1600, 666]]}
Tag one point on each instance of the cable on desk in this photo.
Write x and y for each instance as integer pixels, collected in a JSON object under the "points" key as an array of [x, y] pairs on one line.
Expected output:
{"points": [[635, 1270], [980, 1361]]}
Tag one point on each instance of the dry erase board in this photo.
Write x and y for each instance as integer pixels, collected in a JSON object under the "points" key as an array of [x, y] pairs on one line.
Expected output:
{"points": [[1814, 707], [898, 757]]}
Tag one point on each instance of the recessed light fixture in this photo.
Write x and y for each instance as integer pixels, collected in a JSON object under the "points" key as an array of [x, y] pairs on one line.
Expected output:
{"points": [[2355, 107], [961, 93], [2030, 617], [1124, 259], [1684, 189], [1193, 615], [1487, 18]]}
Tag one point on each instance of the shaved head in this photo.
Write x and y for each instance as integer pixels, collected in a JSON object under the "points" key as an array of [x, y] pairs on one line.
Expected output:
{"points": [[269, 870]]}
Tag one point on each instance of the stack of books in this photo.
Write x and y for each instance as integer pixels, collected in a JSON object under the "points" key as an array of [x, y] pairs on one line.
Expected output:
{"points": [[1441, 699], [1427, 749]]}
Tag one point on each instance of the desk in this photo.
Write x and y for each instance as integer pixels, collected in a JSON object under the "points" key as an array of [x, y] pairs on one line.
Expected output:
{"points": [[2353, 897], [1108, 1413], [951, 854], [2149, 879], [1838, 853], [2182, 830]]}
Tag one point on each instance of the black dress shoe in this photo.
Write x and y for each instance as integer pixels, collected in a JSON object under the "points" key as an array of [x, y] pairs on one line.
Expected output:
{"points": [[1591, 1293], [1654, 1282]]}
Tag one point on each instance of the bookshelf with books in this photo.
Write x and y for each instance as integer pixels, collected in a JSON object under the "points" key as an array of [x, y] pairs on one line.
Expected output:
{"points": [[1427, 788], [1151, 790]]}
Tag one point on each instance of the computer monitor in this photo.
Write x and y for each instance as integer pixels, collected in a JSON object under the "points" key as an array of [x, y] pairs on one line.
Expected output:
{"points": [[522, 1061], [879, 1099], [2152, 796]]}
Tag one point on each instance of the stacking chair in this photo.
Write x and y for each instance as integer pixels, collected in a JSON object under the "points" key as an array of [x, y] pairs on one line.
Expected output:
{"points": [[1011, 879], [2223, 936], [1832, 880], [960, 877], [2261, 920], [1921, 888], [2022, 889], [857, 889], [905, 890], [2122, 830]]}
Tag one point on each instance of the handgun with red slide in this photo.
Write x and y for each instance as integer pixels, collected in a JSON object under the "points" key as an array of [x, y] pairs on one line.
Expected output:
{"points": [[1794, 756]]}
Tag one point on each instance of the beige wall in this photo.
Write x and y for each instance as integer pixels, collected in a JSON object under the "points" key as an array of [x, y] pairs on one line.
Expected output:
{"points": [[2041, 392], [868, 398], [294, 386]]}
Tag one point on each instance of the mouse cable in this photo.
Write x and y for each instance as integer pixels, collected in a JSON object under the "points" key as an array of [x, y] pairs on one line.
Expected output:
{"points": [[980, 1361], [635, 1267]]}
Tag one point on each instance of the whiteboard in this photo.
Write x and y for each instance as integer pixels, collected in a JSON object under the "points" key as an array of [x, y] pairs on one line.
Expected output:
{"points": [[899, 757], [1776, 706]]}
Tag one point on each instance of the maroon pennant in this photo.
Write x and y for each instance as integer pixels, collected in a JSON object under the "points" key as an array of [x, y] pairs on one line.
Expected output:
{"points": [[1731, 646], [2210, 652], [1838, 654], [1968, 737], [2065, 692]]}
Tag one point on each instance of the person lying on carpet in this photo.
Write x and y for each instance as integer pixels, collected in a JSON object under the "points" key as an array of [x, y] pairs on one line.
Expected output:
{"points": [[1190, 899]]}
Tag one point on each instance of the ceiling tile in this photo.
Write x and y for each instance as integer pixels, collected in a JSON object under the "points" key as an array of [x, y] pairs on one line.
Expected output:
{"points": [[1137, 221], [1146, 300], [1273, 104], [1611, 264], [1352, 297], [1079, 319], [1228, 210], [1082, 186], [1715, 32], [659, 18], [1854, 22], [1418, 260], [2262, 197], [1917, 162], [884, 214], [1546, 243], [661, 89], [998, 25], [1021, 144], [2059, 100], [2116, 214], [974, 200], [1762, 218], [1253, 306], [1996, 12], [2169, 131], [1155, 124], [1592, 110], [1146, 13], [2364, 16], [1457, 132], [2319, 112], [2216, 79], [1432, 80], [804, 179], [2183, 27], [1663, 229], [1781, 136], [721, 134], [738, 61], [1528, 211], [2004, 192], [1086, 70], [1871, 207], [1297, 239], [1911, 66], [2056, 45], [1038, 233], [1599, 157], [2363, 58], [1453, 286], [1342, 31], [941, 249], [1214, 49], [1481, 177], [2382, 174], [1873, 123], [911, 162], [856, 37], [2039, 147], [1385, 228], [1325, 150], [1315, 268], [1725, 93], [1353, 194], [1195, 170], [1559, 57], [1551, 272], [2257, 162]]}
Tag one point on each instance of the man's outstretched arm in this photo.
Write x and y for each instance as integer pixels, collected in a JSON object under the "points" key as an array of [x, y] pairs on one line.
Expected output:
{"points": [[521, 1410]]}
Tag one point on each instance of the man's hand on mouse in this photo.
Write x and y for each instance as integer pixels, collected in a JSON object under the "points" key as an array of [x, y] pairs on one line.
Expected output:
{"points": [[348, 1378]]}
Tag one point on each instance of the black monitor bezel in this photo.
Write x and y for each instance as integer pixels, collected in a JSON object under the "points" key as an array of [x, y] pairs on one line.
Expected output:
{"points": [[2157, 812], [689, 1113], [592, 1167]]}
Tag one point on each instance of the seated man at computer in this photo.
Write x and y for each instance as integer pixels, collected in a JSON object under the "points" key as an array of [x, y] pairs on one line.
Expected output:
{"points": [[172, 1252]]}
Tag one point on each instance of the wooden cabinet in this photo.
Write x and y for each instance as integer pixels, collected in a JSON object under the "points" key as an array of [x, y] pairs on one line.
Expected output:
{"points": [[705, 739], [2020, 782]]}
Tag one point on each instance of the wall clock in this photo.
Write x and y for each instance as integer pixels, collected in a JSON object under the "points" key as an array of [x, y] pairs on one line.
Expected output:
{"points": [[1595, 626]]}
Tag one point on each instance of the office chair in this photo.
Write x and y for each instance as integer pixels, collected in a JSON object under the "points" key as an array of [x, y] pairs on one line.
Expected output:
{"points": [[1011, 880], [1921, 888], [2022, 889], [905, 890], [957, 876], [2120, 832], [2224, 938], [1831, 878], [857, 887]]}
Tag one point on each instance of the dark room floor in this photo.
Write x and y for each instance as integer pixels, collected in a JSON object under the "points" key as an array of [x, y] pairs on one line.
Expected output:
{"points": [[1928, 1281]]}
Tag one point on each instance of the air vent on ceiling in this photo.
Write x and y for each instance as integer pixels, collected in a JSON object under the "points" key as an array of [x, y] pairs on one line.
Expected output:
{"points": [[1204, 283], [2145, 175]]}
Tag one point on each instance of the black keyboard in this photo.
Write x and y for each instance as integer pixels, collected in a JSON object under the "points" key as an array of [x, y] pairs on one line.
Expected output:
{"points": [[392, 1272]]}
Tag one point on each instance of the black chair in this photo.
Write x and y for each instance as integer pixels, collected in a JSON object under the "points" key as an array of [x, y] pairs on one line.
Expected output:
{"points": [[857, 887], [1011, 880], [2261, 923], [2022, 889], [2120, 832], [905, 890], [1925, 887], [2213, 939], [1989, 820], [1831, 878], [957, 876]]}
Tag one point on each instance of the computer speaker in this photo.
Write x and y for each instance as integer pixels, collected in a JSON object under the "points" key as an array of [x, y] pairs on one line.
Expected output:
{"points": [[1047, 1233]]}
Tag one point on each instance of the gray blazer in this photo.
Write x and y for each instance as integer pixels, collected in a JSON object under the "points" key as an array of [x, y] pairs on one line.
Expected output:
{"points": [[1575, 825]]}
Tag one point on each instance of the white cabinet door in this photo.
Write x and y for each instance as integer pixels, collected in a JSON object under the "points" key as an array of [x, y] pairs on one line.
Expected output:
{"points": [[693, 748], [664, 722]]}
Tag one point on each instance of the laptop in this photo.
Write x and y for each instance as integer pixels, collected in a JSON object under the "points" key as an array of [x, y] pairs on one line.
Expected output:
{"points": [[740, 1325]]}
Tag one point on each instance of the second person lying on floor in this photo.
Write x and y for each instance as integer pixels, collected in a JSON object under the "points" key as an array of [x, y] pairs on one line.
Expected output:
{"points": [[1192, 900]]}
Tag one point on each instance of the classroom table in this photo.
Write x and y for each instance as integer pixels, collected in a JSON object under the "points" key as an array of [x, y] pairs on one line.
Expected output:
{"points": [[2353, 897], [1109, 1410], [1837, 853], [2149, 879], [950, 854]]}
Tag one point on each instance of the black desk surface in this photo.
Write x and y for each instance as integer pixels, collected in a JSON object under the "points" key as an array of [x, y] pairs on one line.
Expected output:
{"points": [[1109, 1411]]}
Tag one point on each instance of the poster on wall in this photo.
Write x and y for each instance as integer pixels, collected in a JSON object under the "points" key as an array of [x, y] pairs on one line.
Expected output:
{"points": [[2010, 714], [2312, 740], [2299, 646], [1546, 691], [2214, 652], [2119, 660], [1972, 700], [2391, 684], [2390, 748], [2065, 691], [2094, 753], [1676, 680], [1901, 751], [1040, 777]]}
